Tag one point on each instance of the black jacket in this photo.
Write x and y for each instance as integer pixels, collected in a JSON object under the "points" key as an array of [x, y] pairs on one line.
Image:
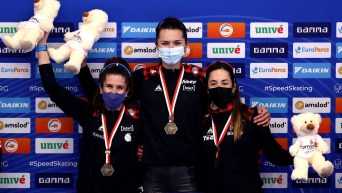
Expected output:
{"points": [[92, 146], [238, 170]]}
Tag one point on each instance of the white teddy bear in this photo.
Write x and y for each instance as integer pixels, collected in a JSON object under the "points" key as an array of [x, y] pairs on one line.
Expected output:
{"points": [[31, 31], [309, 147], [79, 42]]}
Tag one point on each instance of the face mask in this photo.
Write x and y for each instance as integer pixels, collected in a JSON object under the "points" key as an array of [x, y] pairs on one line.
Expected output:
{"points": [[171, 55], [113, 100], [220, 96]]}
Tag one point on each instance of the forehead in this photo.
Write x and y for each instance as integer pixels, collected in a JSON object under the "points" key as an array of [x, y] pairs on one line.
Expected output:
{"points": [[170, 34], [219, 74], [115, 79]]}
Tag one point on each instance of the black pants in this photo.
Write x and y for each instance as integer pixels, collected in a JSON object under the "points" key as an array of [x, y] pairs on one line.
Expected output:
{"points": [[163, 179]]}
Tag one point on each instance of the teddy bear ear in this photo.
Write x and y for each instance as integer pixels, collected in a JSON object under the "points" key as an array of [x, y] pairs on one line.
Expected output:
{"points": [[57, 5], [294, 119], [318, 117]]}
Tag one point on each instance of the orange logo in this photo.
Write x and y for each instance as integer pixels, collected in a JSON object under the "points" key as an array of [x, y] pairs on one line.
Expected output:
{"points": [[16, 145], [54, 125], [338, 105], [227, 30], [324, 127], [194, 50], [283, 142]]}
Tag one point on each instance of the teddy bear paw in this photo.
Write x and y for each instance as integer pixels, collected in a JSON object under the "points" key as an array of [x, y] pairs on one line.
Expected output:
{"points": [[298, 174], [27, 45], [72, 68], [9, 43], [327, 169]]}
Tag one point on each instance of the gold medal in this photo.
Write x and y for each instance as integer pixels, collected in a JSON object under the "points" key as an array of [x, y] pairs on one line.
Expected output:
{"points": [[107, 170], [171, 127]]}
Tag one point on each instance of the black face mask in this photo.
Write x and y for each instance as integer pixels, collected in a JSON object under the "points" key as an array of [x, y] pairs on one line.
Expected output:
{"points": [[220, 96]]}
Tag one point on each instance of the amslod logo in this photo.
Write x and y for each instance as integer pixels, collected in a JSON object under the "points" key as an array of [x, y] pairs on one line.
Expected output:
{"points": [[315, 105], [45, 105], [138, 30], [311, 29], [139, 50], [15, 105], [311, 70], [194, 29], [273, 105], [54, 180], [269, 50], [279, 125]]}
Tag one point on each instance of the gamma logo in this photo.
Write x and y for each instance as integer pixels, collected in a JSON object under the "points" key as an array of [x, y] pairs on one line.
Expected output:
{"points": [[269, 50], [60, 28], [54, 180], [7, 53], [312, 30], [314, 181]]}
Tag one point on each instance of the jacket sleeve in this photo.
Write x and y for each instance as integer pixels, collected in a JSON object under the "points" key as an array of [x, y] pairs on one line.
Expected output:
{"points": [[271, 148], [87, 83], [72, 106]]}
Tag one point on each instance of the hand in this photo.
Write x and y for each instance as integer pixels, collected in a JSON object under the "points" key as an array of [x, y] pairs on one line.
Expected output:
{"points": [[263, 118], [43, 41], [84, 63], [140, 152]]}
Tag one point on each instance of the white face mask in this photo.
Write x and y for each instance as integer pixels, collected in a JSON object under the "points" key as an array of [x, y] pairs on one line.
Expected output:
{"points": [[171, 55]]}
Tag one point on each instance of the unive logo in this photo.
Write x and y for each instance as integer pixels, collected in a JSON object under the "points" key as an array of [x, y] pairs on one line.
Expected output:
{"points": [[338, 125], [15, 180], [139, 50], [311, 70], [103, 50], [110, 31], [312, 50], [54, 125], [8, 53], [194, 29], [269, 50], [54, 180], [339, 29], [315, 105], [311, 29], [16, 145], [138, 30], [15, 125], [314, 181], [269, 29], [59, 71], [339, 50], [227, 30], [55, 145], [45, 105], [269, 70], [226, 50], [15, 105], [8, 28], [274, 180], [279, 125], [273, 105], [15, 70], [60, 28]]}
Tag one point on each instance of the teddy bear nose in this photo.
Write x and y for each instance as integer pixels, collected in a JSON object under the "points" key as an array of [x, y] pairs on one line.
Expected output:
{"points": [[36, 1], [310, 127], [85, 14]]}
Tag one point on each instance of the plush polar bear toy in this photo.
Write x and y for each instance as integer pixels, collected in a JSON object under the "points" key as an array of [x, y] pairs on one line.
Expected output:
{"points": [[31, 31], [309, 147], [79, 42]]}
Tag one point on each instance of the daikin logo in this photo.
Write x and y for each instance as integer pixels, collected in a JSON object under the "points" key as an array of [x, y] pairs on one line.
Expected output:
{"points": [[339, 50], [103, 50], [15, 105], [312, 50], [138, 30], [269, 30], [311, 70], [274, 105]]}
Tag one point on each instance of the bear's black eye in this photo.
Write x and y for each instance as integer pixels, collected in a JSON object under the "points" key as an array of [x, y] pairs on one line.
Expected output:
{"points": [[305, 122]]}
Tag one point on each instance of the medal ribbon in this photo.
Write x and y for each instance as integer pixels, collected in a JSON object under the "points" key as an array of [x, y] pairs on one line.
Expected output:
{"points": [[108, 141], [217, 141], [171, 106]]}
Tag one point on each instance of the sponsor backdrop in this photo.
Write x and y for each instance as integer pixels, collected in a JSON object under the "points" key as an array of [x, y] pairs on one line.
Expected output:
{"points": [[287, 57]]}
